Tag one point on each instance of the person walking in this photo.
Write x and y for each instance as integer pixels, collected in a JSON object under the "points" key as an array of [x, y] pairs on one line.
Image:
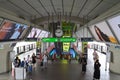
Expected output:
{"points": [[96, 75]]}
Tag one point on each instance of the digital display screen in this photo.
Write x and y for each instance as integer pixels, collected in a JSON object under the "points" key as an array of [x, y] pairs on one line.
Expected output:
{"points": [[10, 30], [115, 26], [35, 32], [102, 32]]}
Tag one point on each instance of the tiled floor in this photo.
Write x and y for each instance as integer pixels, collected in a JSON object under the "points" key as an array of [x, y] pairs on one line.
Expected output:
{"points": [[58, 71]]}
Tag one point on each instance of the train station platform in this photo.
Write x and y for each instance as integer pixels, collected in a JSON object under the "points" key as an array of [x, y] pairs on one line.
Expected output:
{"points": [[64, 71]]}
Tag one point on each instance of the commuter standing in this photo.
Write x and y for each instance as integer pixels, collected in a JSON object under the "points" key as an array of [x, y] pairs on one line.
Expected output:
{"points": [[80, 57], [96, 75], [84, 63], [34, 60], [45, 61], [52, 58], [95, 55], [28, 58], [86, 51], [24, 63], [40, 56], [17, 62], [69, 58]]}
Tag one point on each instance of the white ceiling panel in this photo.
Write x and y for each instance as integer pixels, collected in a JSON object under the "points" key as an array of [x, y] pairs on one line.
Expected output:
{"points": [[12, 8], [41, 8], [57, 2], [47, 5], [58, 5], [91, 4], [22, 4], [112, 1], [78, 3], [75, 11], [67, 5], [77, 7], [38, 7], [103, 7]]}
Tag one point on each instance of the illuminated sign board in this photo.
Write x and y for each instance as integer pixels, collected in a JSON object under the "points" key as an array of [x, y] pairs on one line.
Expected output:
{"points": [[58, 39], [66, 46], [67, 39], [49, 39]]}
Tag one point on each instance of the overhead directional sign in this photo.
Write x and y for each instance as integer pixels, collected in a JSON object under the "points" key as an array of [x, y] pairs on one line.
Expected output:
{"points": [[58, 39], [87, 39], [67, 39], [50, 39]]}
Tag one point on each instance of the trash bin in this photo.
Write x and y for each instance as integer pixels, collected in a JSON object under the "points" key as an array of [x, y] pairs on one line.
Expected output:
{"points": [[20, 73]]}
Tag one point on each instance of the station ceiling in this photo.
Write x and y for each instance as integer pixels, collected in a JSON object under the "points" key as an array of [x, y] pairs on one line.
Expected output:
{"points": [[40, 11]]}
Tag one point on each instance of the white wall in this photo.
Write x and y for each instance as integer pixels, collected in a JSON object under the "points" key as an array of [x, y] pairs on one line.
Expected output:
{"points": [[5, 64], [24, 43], [115, 65], [24, 55]]}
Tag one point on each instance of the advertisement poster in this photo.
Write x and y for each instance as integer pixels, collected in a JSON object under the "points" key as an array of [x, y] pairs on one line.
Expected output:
{"points": [[102, 32], [42, 34], [10, 30], [34, 33], [115, 26]]}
